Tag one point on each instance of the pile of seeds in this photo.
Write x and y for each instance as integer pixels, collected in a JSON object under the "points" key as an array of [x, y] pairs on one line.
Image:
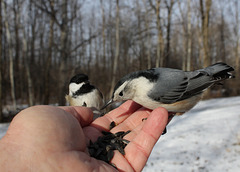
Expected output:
{"points": [[103, 148]]}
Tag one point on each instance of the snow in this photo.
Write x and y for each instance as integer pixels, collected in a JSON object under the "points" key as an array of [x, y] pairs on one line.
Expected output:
{"points": [[3, 129], [207, 138]]}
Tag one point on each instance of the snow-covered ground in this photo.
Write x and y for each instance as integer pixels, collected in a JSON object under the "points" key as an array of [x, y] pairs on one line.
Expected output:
{"points": [[207, 138], [3, 129]]}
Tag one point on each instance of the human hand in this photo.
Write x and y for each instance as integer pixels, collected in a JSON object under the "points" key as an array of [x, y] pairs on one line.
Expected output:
{"points": [[47, 138]]}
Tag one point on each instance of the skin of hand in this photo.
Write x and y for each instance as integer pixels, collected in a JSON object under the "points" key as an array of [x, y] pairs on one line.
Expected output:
{"points": [[48, 138]]}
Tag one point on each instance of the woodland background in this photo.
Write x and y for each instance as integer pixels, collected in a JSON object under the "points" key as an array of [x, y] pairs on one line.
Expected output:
{"points": [[45, 42]]}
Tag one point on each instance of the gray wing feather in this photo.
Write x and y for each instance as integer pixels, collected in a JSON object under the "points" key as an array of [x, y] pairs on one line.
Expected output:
{"points": [[174, 85], [179, 85], [171, 85]]}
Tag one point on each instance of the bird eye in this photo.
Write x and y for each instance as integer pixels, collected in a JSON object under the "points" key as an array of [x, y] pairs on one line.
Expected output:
{"points": [[121, 93]]}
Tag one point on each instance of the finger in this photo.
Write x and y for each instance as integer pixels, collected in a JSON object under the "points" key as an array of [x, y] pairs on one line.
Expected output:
{"points": [[84, 115], [117, 115], [136, 130], [139, 149], [133, 120]]}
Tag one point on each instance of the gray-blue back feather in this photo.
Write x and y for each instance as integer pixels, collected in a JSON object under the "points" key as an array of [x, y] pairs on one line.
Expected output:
{"points": [[175, 85]]}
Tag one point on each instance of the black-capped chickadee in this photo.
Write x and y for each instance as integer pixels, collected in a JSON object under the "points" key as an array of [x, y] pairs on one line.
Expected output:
{"points": [[82, 93], [176, 90]]}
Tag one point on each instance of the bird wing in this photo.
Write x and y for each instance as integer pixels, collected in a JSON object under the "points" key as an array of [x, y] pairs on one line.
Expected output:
{"points": [[176, 85]]}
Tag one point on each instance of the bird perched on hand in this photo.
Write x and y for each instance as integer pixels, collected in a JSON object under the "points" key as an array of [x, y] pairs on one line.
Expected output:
{"points": [[175, 90], [82, 93]]}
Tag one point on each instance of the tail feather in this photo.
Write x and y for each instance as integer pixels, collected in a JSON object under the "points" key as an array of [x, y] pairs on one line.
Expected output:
{"points": [[219, 71]]}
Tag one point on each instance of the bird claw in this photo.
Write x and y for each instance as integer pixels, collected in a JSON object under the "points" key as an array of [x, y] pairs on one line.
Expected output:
{"points": [[164, 131]]}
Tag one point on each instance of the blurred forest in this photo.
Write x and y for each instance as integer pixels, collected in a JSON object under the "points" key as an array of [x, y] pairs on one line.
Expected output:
{"points": [[45, 42]]}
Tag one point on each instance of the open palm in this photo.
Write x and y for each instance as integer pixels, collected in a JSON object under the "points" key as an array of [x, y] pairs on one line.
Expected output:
{"points": [[47, 138]]}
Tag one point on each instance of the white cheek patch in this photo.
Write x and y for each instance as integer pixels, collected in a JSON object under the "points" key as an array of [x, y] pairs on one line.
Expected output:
{"points": [[73, 87], [118, 90]]}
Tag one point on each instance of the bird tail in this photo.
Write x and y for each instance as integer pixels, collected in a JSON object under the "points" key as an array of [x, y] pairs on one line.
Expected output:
{"points": [[219, 71]]}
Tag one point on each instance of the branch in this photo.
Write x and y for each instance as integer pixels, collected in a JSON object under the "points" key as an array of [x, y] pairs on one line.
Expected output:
{"points": [[84, 42], [151, 4], [50, 13]]}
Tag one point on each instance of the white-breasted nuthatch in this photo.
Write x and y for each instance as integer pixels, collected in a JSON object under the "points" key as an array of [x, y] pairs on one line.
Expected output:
{"points": [[82, 93], [176, 90]]}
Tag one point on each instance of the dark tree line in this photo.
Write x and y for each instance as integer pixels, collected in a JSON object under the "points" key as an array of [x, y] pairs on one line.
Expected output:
{"points": [[45, 42]]}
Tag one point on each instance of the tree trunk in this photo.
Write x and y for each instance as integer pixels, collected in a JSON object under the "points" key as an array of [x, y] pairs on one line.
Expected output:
{"points": [[16, 10], [237, 49], [115, 62], [103, 36], [46, 87], [149, 64], [205, 13], [63, 54], [167, 52], [189, 36], [221, 54], [10, 51], [159, 60], [1, 98], [184, 56], [26, 64]]}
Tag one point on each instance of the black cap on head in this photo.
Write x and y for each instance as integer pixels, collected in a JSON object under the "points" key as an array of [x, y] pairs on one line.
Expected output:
{"points": [[79, 78]]}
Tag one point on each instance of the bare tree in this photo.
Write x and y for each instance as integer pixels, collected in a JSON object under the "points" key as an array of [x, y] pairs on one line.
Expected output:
{"points": [[148, 42], [103, 34], [60, 39], [10, 51], [115, 62], [189, 35], [1, 97], [46, 83], [63, 51], [169, 18], [26, 63], [160, 44], [205, 14], [184, 56], [160, 41], [237, 34], [16, 8]]}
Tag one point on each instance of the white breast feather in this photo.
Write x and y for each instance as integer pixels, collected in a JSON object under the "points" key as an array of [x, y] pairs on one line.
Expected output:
{"points": [[142, 86]]}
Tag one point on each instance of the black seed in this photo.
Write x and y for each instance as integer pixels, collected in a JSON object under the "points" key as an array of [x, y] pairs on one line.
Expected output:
{"points": [[113, 140], [108, 137], [94, 146], [98, 152], [102, 144], [91, 151], [110, 154], [112, 125], [103, 158], [106, 132], [125, 141], [120, 149], [120, 133], [109, 147], [127, 132], [103, 148], [113, 165]]}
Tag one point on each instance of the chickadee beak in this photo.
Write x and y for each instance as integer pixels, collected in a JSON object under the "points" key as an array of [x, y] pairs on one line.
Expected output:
{"points": [[108, 103]]}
